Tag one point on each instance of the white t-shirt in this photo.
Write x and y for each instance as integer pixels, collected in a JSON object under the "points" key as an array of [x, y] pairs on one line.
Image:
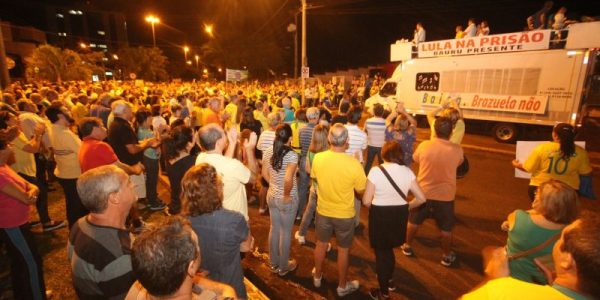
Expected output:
{"points": [[234, 176], [357, 140], [265, 140], [385, 194]]}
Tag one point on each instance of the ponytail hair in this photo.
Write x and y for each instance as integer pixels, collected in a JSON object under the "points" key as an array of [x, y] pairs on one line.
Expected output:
{"points": [[566, 137], [283, 133]]}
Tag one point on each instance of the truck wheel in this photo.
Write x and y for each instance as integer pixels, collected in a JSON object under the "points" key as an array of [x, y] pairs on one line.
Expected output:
{"points": [[505, 132]]}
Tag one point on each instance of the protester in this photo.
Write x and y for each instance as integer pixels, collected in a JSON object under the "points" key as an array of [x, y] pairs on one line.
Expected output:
{"points": [[279, 169], [419, 35], [221, 232], [338, 176], [483, 28], [438, 159], [16, 195], [304, 135], [264, 142], [318, 144], [150, 159], [219, 149], [576, 264], [459, 32], [375, 129], [560, 159], [99, 244], [176, 148], [386, 196], [471, 29], [166, 259], [402, 128], [66, 146], [554, 207]]}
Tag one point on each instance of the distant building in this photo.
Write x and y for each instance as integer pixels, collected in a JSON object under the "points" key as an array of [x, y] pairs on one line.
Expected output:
{"points": [[68, 27], [19, 43]]}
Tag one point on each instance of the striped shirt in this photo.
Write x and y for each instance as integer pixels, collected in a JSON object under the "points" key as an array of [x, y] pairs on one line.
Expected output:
{"points": [[306, 133], [375, 128], [277, 180], [100, 260], [357, 140], [265, 140]]}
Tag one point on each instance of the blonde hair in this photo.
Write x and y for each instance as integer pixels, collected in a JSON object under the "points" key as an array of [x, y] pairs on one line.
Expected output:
{"points": [[557, 202]]}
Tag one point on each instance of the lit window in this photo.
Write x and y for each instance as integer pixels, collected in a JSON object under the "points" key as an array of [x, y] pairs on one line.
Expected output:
{"points": [[79, 12], [60, 16], [102, 46], [93, 45], [72, 12], [100, 32], [105, 59]]}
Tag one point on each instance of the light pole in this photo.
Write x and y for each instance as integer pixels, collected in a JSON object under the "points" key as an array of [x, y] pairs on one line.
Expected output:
{"points": [[152, 20], [304, 60], [186, 49]]}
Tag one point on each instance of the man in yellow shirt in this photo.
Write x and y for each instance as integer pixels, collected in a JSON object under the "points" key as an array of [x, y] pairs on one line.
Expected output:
{"points": [[339, 176], [80, 110], [576, 263]]}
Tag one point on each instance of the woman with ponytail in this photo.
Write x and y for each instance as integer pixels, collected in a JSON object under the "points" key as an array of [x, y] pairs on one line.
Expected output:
{"points": [[560, 159], [176, 148], [279, 169]]}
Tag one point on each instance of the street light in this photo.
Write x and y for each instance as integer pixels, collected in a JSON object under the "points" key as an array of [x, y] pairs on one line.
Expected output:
{"points": [[189, 62], [115, 57], [83, 45], [197, 58], [186, 49], [153, 20], [208, 29]]}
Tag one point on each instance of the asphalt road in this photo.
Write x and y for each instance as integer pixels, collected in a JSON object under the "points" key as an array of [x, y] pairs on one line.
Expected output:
{"points": [[484, 198]]}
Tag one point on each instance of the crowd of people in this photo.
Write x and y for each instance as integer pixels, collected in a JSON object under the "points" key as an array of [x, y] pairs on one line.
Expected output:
{"points": [[223, 146]]}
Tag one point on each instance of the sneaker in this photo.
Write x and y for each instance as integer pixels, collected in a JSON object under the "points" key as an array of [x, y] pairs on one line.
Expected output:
{"points": [[351, 287], [407, 250], [447, 260], [53, 225], [391, 285], [300, 238], [376, 294], [157, 206], [273, 268], [316, 281], [292, 265]]}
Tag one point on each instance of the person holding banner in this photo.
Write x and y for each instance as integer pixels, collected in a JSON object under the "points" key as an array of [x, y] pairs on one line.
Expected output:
{"points": [[560, 159]]}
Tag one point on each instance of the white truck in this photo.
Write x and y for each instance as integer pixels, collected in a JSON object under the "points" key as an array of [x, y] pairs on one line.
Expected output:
{"points": [[510, 81]]}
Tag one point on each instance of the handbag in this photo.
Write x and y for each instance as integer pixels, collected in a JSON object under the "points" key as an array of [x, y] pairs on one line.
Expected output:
{"points": [[387, 175], [463, 168]]}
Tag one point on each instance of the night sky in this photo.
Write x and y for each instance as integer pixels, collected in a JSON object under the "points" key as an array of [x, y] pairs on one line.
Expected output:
{"points": [[341, 34]]}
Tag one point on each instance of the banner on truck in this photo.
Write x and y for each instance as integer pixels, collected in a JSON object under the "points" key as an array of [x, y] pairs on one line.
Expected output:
{"points": [[490, 102], [497, 43], [236, 75]]}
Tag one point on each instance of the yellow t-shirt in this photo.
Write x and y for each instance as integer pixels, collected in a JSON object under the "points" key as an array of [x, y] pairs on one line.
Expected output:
{"points": [[510, 288], [296, 126], [259, 116], [79, 111], [24, 161], [231, 109], [198, 116], [295, 103], [457, 133], [545, 162], [338, 175]]}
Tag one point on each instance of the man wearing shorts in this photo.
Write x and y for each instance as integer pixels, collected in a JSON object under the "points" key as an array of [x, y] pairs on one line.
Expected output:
{"points": [[438, 159], [338, 176]]}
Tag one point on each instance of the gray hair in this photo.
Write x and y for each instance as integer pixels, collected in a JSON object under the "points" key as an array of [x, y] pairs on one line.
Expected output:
{"points": [[119, 106], [312, 113], [95, 185], [338, 135], [274, 119], [209, 135]]}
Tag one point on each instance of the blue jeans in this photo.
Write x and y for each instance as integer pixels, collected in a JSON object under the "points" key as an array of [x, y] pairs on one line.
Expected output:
{"points": [[371, 152], [309, 212], [280, 234], [303, 186]]}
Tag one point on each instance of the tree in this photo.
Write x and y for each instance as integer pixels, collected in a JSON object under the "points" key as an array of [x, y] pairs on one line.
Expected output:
{"points": [[146, 63], [53, 64]]}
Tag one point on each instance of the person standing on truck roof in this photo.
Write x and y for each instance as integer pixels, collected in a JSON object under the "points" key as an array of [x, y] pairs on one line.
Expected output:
{"points": [[538, 19], [471, 30], [419, 35], [560, 159], [483, 29], [459, 33]]}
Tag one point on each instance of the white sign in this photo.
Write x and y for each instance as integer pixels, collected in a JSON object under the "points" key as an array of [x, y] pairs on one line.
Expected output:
{"points": [[236, 75], [509, 42], [305, 72], [524, 149], [489, 102]]}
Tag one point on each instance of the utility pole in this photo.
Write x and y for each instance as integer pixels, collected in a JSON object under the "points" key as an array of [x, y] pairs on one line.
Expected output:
{"points": [[296, 46], [304, 60], [4, 79]]}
